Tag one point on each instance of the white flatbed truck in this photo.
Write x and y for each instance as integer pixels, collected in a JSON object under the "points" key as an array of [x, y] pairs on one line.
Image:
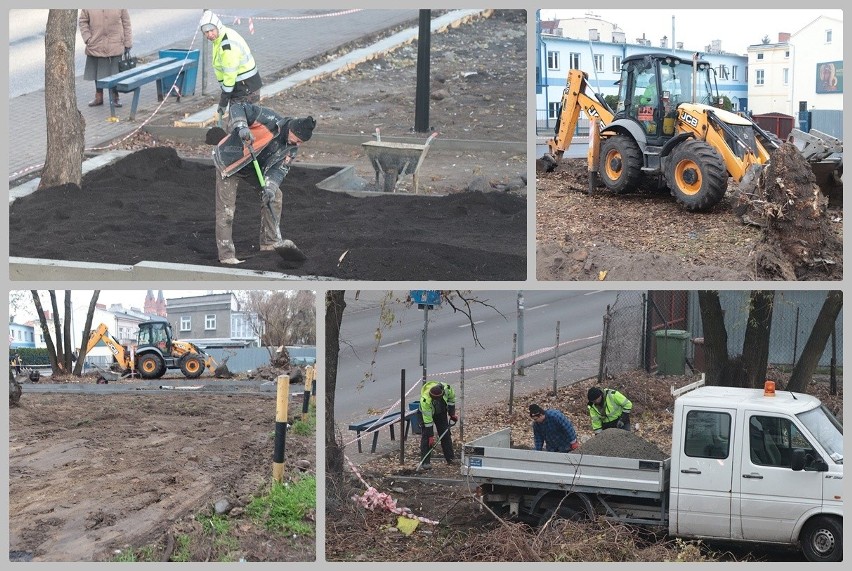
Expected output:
{"points": [[747, 465]]}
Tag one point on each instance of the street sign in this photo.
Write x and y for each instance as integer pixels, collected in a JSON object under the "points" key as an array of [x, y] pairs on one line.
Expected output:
{"points": [[425, 298]]}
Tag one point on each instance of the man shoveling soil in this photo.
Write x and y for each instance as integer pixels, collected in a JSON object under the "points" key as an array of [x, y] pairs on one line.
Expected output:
{"points": [[270, 142]]}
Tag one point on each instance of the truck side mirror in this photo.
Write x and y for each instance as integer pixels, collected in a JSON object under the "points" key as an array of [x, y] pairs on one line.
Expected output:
{"points": [[797, 460], [800, 458]]}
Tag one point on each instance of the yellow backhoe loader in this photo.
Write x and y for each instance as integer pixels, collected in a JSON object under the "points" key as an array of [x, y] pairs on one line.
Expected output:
{"points": [[155, 352], [667, 125]]}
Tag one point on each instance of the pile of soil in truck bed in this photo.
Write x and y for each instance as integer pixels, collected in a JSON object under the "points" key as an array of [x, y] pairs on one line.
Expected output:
{"points": [[152, 205]]}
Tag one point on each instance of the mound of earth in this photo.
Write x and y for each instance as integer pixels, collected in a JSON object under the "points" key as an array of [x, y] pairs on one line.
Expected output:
{"points": [[617, 442], [152, 205], [646, 235]]}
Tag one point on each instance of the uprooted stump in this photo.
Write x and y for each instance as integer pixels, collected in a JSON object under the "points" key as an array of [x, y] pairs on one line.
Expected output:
{"points": [[786, 202]]}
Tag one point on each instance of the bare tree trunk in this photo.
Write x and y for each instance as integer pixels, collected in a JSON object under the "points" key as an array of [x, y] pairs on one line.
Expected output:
{"points": [[815, 345], [715, 336], [65, 124], [334, 306], [66, 332], [90, 315], [45, 331], [57, 331], [756, 342]]}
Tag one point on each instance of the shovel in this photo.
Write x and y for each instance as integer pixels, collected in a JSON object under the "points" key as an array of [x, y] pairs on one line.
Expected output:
{"points": [[437, 443], [285, 248]]}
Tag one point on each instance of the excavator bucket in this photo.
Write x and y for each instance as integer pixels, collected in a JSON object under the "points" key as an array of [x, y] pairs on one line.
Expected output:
{"points": [[825, 155], [222, 370]]}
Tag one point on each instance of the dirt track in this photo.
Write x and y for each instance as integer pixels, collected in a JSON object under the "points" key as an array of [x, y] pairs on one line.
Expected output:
{"points": [[89, 474]]}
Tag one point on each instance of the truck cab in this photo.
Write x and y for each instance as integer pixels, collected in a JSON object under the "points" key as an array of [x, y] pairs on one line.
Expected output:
{"points": [[757, 465]]}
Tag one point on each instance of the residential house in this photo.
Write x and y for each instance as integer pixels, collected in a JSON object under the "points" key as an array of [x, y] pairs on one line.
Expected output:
{"points": [[213, 321]]}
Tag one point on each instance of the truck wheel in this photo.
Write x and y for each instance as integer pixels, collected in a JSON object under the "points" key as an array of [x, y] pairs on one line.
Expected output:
{"points": [[696, 175], [191, 366], [149, 365], [621, 164], [822, 539], [564, 512]]}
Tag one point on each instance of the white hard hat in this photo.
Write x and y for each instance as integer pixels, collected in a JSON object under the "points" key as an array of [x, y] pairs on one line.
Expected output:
{"points": [[209, 20]]}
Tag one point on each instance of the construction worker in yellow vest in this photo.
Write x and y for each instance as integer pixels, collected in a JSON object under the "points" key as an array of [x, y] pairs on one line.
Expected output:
{"points": [[608, 408], [233, 64], [437, 408]]}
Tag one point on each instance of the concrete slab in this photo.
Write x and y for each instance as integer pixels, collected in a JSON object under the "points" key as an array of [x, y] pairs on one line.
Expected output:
{"points": [[33, 269]]}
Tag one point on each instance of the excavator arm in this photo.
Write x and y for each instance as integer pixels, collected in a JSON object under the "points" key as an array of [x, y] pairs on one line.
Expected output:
{"points": [[576, 97], [116, 348]]}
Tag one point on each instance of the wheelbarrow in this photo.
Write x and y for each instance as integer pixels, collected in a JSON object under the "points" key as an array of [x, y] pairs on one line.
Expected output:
{"points": [[106, 377], [392, 160]]}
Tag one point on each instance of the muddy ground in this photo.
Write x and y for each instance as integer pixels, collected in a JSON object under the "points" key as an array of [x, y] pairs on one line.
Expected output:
{"points": [[646, 235], [92, 475], [465, 532], [478, 94]]}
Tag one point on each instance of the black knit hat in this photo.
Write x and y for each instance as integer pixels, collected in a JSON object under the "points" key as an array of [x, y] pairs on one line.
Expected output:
{"points": [[437, 390], [303, 128], [594, 394], [536, 410]]}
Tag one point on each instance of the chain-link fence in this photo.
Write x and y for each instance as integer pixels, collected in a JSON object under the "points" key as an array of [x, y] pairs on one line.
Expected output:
{"points": [[623, 343]]}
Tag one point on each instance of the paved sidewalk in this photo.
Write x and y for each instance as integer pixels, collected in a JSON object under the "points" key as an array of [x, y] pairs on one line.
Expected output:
{"points": [[280, 41]]}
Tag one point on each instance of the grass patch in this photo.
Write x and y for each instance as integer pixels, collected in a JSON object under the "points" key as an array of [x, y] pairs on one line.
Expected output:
{"points": [[284, 508], [308, 426], [182, 553]]}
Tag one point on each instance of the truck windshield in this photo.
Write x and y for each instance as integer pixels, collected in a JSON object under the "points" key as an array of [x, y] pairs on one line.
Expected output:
{"points": [[826, 429]]}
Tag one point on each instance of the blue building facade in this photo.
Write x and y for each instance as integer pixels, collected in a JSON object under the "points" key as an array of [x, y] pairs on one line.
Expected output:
{"points": [[601, 60]]}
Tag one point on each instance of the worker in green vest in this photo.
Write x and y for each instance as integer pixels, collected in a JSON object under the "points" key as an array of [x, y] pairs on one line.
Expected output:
{"points": [[233, 64], [608, 408], [437, 408]]}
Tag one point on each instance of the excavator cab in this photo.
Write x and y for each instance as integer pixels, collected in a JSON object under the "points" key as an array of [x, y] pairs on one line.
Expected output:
{"points": [[652, 87], [155, 333]]}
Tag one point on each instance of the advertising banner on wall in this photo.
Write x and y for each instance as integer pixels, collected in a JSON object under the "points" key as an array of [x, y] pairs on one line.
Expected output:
{"points": [[829, 77]]}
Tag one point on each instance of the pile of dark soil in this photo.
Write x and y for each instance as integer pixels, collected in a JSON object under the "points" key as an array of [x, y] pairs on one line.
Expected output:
{"points": [[152, 205], [617, 442]]}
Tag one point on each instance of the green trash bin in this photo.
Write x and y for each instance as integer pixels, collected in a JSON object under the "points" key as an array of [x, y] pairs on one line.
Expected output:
{"points": [[671, 351]]}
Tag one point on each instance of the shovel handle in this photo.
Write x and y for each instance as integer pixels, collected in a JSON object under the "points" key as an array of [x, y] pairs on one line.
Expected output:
{"points": [[260, 178]]}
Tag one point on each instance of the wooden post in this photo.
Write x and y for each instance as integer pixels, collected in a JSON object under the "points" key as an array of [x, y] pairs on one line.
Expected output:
{"points": [[280, 427], [556, 359], [306, 399], [402, 405], [314, 384], [461, 389]]}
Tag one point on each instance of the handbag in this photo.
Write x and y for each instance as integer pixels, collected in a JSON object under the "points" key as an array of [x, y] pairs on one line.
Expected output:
{"points": [[127, 62]]}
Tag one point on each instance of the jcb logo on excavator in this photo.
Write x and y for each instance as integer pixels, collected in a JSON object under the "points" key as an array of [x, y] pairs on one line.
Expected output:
{"points": [[113, 348], [689, 119], [592, 112]]}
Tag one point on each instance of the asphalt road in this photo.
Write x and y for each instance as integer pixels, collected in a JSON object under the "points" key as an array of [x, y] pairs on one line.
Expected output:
{"points": [[363, 385]]}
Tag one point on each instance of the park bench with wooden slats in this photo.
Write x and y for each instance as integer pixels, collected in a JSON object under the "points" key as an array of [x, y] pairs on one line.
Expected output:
{"points": [[132, 80]]}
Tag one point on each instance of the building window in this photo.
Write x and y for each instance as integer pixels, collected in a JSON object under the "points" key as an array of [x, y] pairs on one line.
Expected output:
{"points": [[553, 60], [186, 324], [574, 58], [786, 76], [734, 70], [599, 62], [210, 322], [758, 77], [828, 36], [787, 54], [616, 64], [759, 56], [553, 110]]}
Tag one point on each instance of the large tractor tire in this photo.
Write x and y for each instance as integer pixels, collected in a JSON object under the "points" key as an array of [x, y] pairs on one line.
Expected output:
{"points": [[822, 539], [620, 164], [150, 366], [191, 366], [696, 175]]}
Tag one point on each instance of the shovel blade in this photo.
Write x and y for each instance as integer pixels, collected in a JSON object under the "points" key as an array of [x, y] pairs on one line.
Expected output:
{"points": [[289, 251]]}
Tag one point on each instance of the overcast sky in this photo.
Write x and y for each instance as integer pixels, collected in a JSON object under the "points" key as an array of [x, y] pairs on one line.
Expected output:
{"points": [[128, 298], [736, 28]]}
